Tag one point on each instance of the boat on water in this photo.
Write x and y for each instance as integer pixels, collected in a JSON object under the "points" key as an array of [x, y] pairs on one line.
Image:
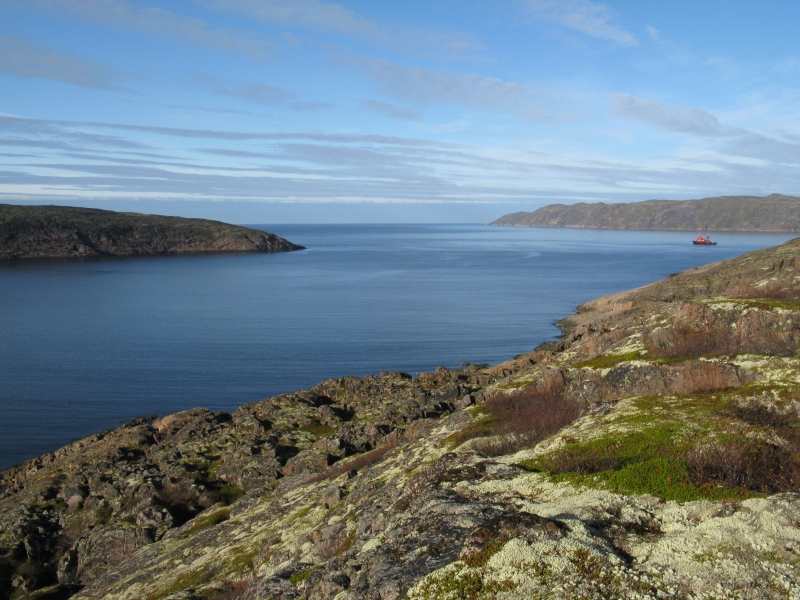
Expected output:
{"points": [[703, 241]]}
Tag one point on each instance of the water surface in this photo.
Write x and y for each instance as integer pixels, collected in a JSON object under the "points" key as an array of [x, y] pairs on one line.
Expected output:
{"points": [[88, 345]]}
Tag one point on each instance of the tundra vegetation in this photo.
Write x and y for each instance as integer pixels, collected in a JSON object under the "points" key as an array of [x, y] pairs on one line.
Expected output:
{"points": [[652, 452]]}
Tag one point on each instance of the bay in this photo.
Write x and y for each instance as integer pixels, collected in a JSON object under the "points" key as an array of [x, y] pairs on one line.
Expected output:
{"points": [[88, 345]]}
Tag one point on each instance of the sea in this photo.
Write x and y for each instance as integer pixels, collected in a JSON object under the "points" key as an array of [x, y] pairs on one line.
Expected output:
{"points": [[87, 345]]}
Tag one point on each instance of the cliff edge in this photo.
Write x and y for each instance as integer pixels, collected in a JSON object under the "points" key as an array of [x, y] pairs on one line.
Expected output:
{"points": [[69, 232], [725, 213], [652, 452]]}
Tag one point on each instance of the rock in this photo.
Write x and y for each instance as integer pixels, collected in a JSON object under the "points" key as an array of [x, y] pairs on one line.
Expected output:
{"points": [[331, 496], [63, 231], [96, 552]]}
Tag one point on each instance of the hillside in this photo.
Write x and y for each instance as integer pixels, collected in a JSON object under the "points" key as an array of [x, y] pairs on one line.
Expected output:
{"points": [[652, 452], [725, 213], [68, 232]]}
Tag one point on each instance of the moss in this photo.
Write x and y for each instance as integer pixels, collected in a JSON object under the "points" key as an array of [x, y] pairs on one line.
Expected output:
{"points": [[492, 547], [229, 493], [516, 384], [241, 561], [483, 426], [464, 584], [606, 361], [648, 458], [300, 577], [203, 521], [185, 582], [318, 429], [760, 303], [300, 513]]}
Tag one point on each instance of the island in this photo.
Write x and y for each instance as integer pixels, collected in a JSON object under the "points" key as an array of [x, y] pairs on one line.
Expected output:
{"points": [[70, 232], [776, 212], [653, 451]]}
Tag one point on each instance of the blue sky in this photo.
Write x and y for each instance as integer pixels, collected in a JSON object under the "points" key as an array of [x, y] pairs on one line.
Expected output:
{"points": [[308, 111]]}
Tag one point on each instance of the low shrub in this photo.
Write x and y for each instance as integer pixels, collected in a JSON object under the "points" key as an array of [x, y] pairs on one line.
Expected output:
{"points": [[749, 464], [519, 420]]}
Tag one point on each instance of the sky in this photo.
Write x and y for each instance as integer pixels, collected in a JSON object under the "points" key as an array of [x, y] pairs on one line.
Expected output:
{"points": [[308, 111]]}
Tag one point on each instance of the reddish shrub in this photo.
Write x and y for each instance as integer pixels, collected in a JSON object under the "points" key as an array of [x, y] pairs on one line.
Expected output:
{"points": [[520, 420], [750, 464]]}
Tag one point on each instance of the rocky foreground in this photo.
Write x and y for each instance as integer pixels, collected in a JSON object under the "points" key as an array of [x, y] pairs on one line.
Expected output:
{"points": [[775, 212], [653, 452], [68, 232]]}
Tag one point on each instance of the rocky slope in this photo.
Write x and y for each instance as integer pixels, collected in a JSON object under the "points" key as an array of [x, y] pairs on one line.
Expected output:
{"points": [[67, 232], [725, 213], [654, 451]]}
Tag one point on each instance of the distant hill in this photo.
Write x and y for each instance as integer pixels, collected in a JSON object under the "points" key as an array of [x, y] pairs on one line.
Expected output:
{"points": [[775, 212], [68, 232]]}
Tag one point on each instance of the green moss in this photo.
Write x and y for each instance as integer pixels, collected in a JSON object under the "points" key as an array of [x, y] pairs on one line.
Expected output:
{"points": [[318, 429], [229, 493], [300, 577], [186, 582], [606, 361], [482, 426], [210, 519], [647, 459], [466, 584], [516, 384], [299, 514], [762, 303]]}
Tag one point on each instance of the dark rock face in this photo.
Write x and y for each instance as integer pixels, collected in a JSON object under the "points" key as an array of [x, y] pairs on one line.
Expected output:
{"points": [[727, 213], [65, 232]]}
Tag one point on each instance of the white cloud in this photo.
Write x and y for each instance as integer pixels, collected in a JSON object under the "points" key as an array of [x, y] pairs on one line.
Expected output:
{"points": [[157, 21], [314, 14], [390, 110], [329, 17], [696, 121], [580, 15], [680, 119], [22, 59], [423, 86], [653, 32]]}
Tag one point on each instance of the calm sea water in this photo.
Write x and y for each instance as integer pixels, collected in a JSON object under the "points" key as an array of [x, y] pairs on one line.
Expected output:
{"points": [[88, 345]]}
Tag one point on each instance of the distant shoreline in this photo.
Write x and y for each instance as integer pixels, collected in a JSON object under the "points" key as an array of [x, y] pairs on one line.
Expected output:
{"points": [[775, 213], [59, 232]]}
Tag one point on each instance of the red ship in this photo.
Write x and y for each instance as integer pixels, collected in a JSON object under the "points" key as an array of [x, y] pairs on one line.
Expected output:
{"points": [[703, 241]]}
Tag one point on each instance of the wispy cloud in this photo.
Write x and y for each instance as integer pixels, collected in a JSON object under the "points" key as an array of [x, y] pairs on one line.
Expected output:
{"points": [[330, 17], [77, 159], [157, 21], [390, 110], [585, 17], [653, 32], [21, 59], [257, 92], [424, 86], [736, 141], [671, 117]]}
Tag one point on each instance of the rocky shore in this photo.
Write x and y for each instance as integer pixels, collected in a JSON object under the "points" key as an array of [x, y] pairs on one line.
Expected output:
{"points": [[775, 212], [68, 232], [652, 452]]}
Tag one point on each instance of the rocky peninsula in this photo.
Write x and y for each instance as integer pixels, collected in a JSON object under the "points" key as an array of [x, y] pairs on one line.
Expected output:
{"points": [[69, 232], [652, 452], [775, 213]]}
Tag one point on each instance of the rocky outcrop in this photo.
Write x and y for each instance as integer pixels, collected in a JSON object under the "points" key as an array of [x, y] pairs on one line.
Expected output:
{"points": [[67, 232], [678, 478], [725, 213]]}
